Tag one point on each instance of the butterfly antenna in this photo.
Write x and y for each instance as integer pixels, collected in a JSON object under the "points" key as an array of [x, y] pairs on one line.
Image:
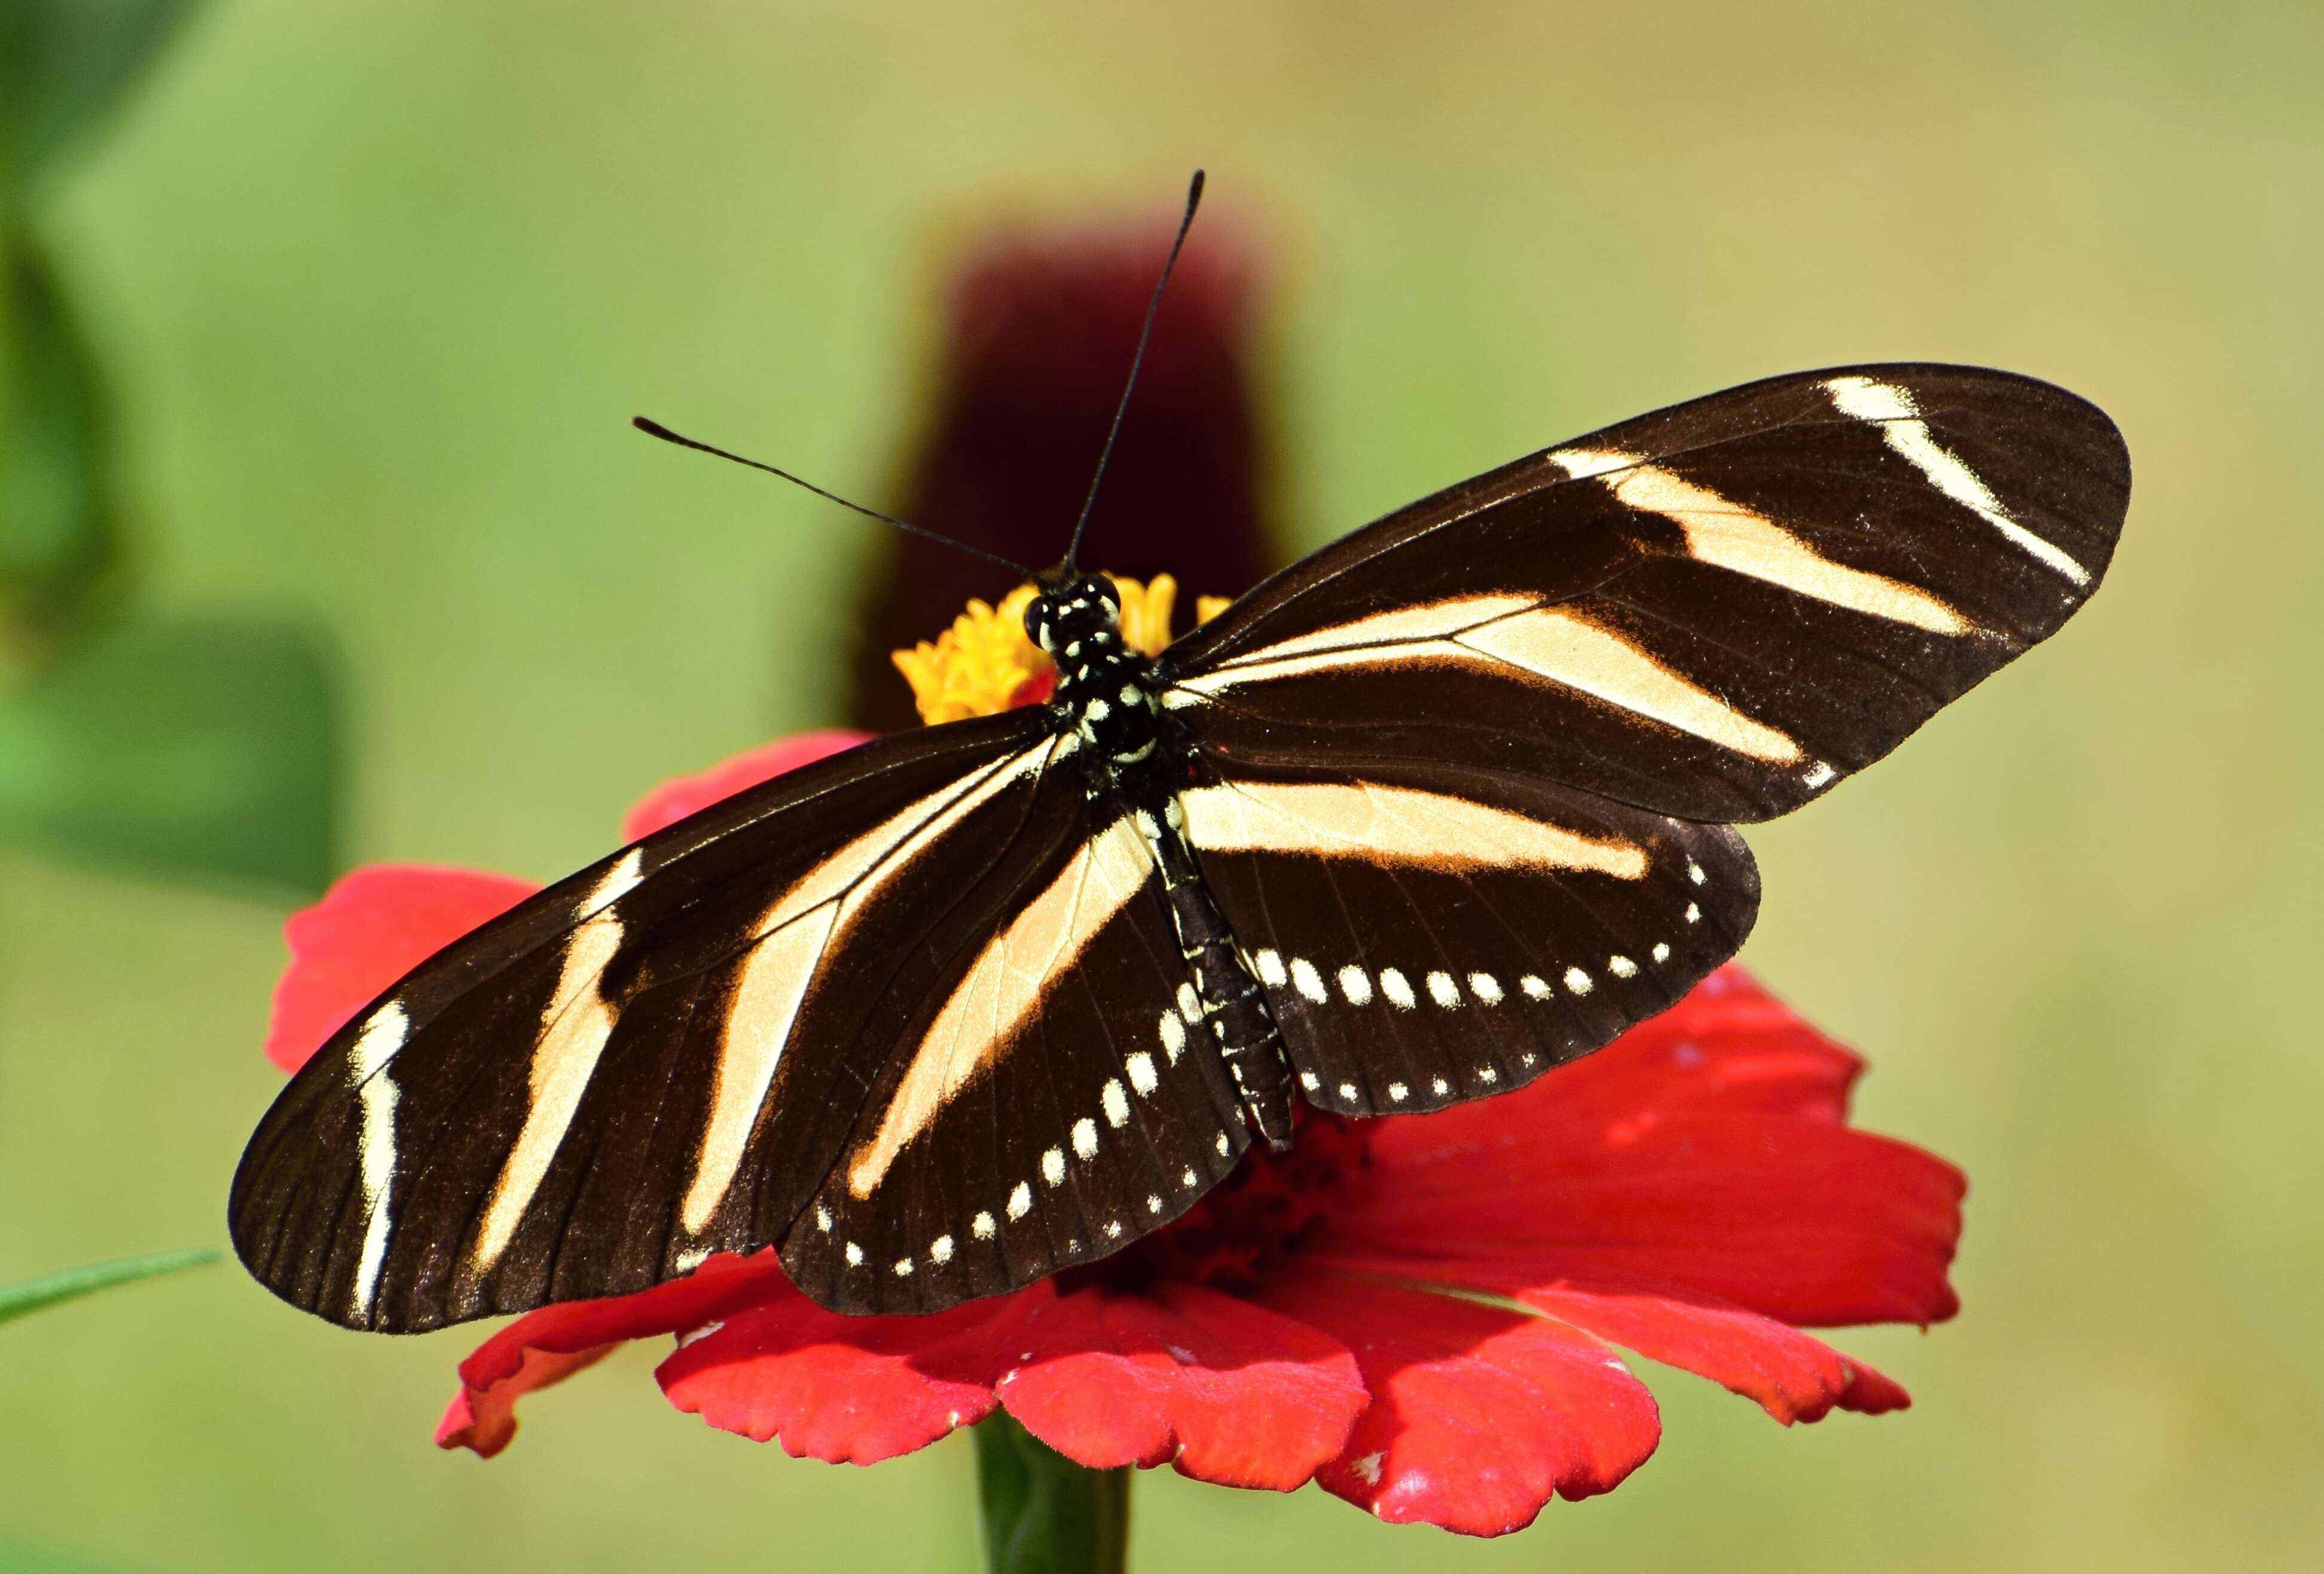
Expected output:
{"points": [[1154, 305], [656, 428]]}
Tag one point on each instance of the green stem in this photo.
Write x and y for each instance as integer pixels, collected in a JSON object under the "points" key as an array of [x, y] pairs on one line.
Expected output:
{"points": [[32, 1294], [1043, 1514]]}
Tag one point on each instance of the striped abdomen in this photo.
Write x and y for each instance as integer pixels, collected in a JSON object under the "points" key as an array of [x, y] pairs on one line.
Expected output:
{"points": [[1221, 988]]}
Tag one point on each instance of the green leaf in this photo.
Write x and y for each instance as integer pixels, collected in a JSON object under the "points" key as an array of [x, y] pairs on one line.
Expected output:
{"points": [[33, 1294], [65, 66], [203, 749], [59, 521], [1042, 1513]]}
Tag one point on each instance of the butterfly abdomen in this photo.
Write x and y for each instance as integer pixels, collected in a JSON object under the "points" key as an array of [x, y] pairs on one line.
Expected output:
{"points": [[1221, 1003]]}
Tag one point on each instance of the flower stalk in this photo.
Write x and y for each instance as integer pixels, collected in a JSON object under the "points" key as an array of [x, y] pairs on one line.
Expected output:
{"points": [[1041, 1513]]}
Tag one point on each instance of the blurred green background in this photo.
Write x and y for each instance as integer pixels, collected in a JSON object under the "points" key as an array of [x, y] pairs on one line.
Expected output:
{"points": [[378, 283]]}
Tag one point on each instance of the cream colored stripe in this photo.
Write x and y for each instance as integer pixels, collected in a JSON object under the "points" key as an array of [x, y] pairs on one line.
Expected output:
{"points": [[1362, 658], [1548, 643], [573, 1033], [1393, 825], [1434, 620], [1569, 649], [1001, 988], [1726, 535], [377, 1095], [767, 998], [1898, 417], [797, 933]]}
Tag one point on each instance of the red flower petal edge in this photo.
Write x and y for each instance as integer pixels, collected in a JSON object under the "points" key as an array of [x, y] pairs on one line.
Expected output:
{"points": [[672, 801], [857, 1390], [1232, 1391], [547, 1345], [1792, 1377], [382, 920], [1691, 1192], [1479, 1415], [373, 927]]}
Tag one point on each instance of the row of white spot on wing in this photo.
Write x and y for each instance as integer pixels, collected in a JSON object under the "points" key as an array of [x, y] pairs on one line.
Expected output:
{"points": [[1356, 988], [1084, 1137]]}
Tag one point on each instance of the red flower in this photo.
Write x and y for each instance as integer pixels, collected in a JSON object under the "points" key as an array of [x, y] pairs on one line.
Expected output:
{"points": [[1418, 1312]]}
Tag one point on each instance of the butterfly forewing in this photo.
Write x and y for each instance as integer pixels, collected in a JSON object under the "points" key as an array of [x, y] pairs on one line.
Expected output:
{"points": [[574, 1100], [1427, 935], [1714, 612]]}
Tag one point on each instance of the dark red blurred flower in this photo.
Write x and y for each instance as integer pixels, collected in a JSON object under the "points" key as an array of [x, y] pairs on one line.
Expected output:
{"points": [[1036, 329], [1691, 1193]]}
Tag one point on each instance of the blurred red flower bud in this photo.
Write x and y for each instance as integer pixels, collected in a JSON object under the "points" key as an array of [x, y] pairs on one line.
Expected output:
{"points": [[1036, 331]]}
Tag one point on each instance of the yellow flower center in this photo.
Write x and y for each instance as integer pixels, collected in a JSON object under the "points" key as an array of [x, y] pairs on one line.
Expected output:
{"points": [[983, 661]]}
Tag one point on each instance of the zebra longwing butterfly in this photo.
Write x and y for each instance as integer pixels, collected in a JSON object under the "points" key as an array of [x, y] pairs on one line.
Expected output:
{"points": [[1441, 807]]}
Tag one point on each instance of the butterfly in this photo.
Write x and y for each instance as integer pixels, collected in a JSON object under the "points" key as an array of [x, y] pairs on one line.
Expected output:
{"points": [[1446, 804]]}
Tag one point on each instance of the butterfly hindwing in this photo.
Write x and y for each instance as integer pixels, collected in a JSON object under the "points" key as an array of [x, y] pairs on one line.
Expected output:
{"points": [[1714, 612], [1050, 1099], [1428, 935]]}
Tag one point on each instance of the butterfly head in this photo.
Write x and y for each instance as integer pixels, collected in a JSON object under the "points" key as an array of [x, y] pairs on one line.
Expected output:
{"points": [[1085, 610]]}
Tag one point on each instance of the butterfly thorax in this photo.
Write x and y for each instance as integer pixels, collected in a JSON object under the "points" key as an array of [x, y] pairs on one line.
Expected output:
{"points": [[1102, 689]]}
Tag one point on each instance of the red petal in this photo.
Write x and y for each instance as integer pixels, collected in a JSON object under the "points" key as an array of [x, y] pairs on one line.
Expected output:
{"points": [[484, 1420], [370, 929], [1479, 1415], [1035, 690], [1793, 1376], [1873, 1393], [1728, 1048], [1235, 1394], [1702, 1154], [1794, 1220], [850, 1389], [672, 801], [551, 1345]]}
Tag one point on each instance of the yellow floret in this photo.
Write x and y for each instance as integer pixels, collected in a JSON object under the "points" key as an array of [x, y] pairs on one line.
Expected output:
{"points": [[978, 665], [975, 666], [1146, 612]]}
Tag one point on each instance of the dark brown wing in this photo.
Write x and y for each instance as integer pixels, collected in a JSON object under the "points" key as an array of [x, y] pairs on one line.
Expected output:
{"points": [[1427, 935], [1715, 612]]}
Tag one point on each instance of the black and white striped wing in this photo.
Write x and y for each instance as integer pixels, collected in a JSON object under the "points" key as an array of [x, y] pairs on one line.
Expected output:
{"points": [[679, 1050], [1427, 935], [1714, 612]]}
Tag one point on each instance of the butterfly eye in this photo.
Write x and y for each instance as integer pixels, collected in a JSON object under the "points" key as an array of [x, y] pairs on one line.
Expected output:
{"points": [[1037, 622]]}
